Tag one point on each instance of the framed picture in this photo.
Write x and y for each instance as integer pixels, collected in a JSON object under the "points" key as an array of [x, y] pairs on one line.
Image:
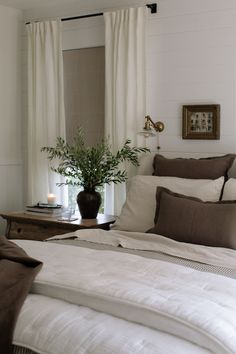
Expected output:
{"points": [[201, 122]]}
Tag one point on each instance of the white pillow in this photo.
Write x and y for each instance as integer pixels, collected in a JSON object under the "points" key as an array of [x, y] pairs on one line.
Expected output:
{"points": [[229, 192], [138, 211]]}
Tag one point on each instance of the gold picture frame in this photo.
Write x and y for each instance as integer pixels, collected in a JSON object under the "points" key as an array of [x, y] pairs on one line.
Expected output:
{"points": [[201, 121]]}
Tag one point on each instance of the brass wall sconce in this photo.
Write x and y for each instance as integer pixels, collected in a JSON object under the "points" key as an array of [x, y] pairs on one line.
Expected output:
{"points": [[149, 126]]}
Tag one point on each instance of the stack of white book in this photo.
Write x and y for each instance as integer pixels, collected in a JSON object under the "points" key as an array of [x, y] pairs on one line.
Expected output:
{"points": [[44, 209]]}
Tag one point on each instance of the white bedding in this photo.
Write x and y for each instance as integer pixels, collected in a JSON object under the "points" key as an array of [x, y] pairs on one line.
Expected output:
{"points": [[220, 257], [164, 296], [53, 326]]}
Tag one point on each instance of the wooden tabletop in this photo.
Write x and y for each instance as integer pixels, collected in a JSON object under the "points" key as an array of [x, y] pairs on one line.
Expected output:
{"points": [[39, 218]]}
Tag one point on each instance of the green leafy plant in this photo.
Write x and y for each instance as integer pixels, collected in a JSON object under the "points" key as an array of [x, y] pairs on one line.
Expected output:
{"points": [[91, 167]]}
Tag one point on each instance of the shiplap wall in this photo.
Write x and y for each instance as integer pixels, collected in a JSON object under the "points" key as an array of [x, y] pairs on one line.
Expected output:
{"points": [[191, 59], [11, 174]]}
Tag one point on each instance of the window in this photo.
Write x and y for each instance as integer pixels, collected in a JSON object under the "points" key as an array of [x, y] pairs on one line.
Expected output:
{"points": [[84, 88]]}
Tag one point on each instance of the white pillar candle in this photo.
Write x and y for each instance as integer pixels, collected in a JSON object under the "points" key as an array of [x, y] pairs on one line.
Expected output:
{"points": [[51, 199]]}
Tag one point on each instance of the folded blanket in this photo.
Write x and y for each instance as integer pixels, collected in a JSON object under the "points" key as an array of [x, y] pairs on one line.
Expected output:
{"points": [[17, 272]]}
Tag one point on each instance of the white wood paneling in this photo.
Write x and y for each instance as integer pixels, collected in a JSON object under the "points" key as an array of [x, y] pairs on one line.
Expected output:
{"points": [[11, 175], [83, 33], [11, 190], [10, 85], [191, 59], [76, 7]]}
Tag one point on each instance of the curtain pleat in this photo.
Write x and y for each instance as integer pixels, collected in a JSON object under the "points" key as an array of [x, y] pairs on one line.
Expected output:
{"points": [[125, 87], [46, 115]]}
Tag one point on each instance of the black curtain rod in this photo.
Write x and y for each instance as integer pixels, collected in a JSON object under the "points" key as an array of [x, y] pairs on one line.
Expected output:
{"points": [[152, 7]]}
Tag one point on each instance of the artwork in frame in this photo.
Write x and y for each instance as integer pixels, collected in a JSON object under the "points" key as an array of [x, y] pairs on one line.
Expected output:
{"points": [[201, 121]]}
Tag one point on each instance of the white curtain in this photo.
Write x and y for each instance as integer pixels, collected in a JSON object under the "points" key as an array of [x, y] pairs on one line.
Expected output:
{"points": [[46, 116], [125, 98]]}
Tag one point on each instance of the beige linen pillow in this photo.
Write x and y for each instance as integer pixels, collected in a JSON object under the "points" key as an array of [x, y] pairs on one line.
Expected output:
{"points": [[229, 192], [188, 219], [138, 211]]}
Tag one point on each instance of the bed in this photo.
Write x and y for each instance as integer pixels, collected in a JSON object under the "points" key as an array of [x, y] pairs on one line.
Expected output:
{"points": [[162, 280]]}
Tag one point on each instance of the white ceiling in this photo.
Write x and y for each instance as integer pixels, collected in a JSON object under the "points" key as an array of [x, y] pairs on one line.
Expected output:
{"points": [[33, 4], [42, 9], [36, 4]]}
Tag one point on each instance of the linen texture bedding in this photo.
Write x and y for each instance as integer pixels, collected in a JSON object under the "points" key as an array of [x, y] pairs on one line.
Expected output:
{"points": [[138, 212], [229, 191], [207, 167], [49, 325], [195, 221], [166, 297], [17, 272]]}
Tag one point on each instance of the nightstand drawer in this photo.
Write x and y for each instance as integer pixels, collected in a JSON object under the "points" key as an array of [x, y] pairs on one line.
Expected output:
{"points": [[39, 227], [33, 231]]}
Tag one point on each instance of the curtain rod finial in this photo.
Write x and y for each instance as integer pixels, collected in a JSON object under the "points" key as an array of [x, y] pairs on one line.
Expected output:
{"points": [[153, 8]]}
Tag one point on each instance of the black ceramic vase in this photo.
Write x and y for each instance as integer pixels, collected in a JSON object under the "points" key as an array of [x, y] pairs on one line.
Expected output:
{"points": [[89, 203]]}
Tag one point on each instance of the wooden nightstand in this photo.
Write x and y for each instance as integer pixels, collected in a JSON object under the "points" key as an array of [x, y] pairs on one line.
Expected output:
{"points": [[39, 227]]}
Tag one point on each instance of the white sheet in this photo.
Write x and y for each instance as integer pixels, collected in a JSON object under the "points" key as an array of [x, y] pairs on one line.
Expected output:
{"points": [[167, 297], [221, 257]]}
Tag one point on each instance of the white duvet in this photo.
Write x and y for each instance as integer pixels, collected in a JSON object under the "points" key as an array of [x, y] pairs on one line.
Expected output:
{"points": [[189, 304], [48, 325]]}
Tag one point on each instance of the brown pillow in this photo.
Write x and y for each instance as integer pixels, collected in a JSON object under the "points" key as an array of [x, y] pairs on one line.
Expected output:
{"points": [[191, 220], [205, 168]]}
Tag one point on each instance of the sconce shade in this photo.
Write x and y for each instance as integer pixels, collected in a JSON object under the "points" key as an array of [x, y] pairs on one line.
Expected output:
{"points": [[146, 133]]}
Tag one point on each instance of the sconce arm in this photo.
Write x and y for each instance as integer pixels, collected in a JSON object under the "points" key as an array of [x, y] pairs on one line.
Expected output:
{"points": [[158, 126]]}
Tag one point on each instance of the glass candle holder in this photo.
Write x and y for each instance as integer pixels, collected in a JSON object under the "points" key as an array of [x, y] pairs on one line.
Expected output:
{"points": [[51, 199]]}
